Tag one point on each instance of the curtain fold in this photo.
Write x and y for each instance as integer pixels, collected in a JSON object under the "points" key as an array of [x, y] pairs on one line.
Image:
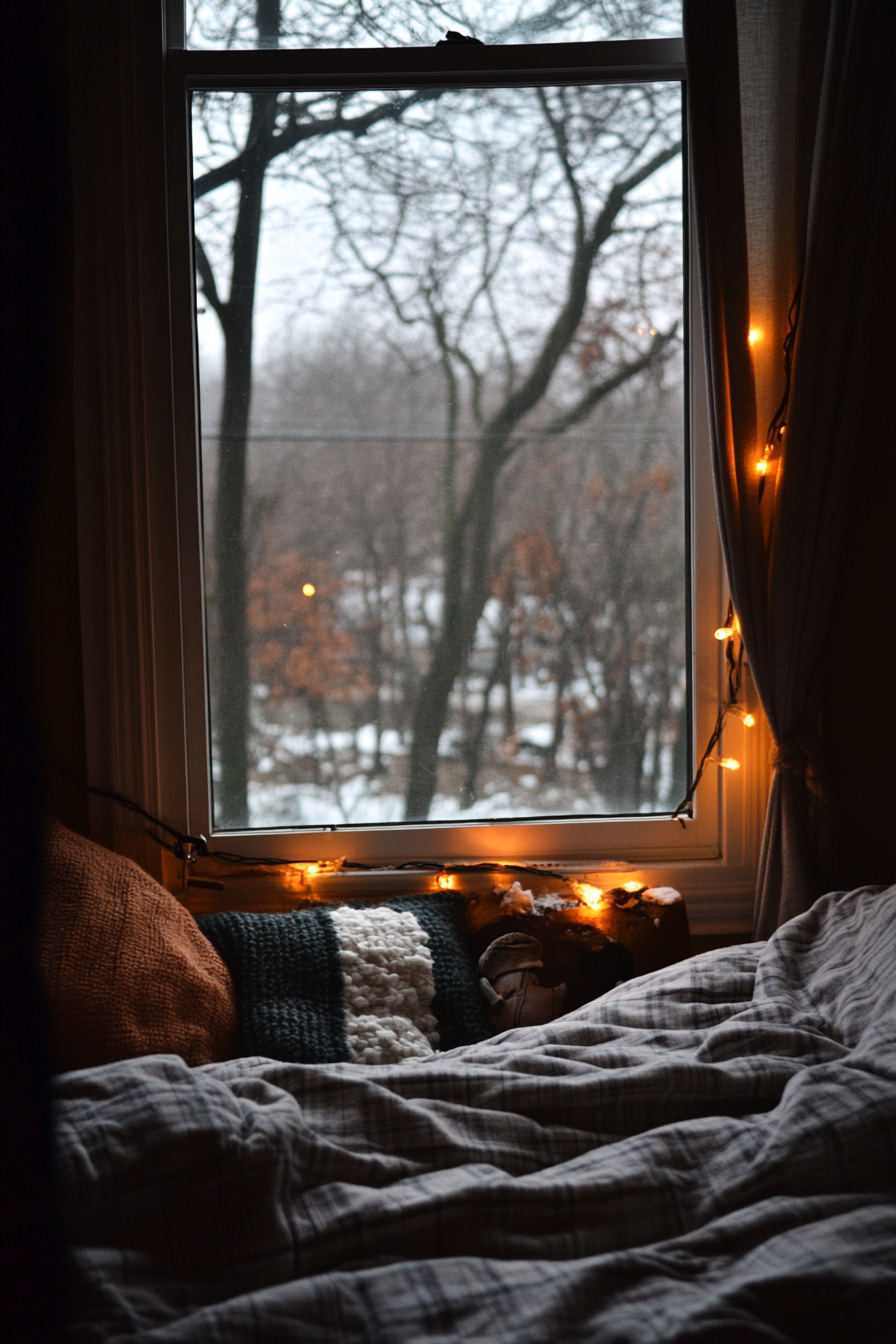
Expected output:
{"points": [[793, 166]]}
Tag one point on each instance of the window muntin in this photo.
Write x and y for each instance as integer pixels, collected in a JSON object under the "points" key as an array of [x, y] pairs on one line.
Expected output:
{"points": [[571, 697], [237, 24]]}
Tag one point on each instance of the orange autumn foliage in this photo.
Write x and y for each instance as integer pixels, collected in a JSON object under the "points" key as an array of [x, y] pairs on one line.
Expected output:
{"points": [[298, 648], [531, 565]]}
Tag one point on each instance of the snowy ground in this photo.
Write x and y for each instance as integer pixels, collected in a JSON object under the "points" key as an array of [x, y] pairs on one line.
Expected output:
{"points": [[307, 778]]}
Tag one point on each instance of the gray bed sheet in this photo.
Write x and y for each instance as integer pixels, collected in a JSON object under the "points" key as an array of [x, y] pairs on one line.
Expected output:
{"points": [[705, 1154]]}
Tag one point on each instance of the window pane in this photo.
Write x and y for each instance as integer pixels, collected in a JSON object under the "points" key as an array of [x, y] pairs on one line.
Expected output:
{"points": [[218, 24], [440, 339]]}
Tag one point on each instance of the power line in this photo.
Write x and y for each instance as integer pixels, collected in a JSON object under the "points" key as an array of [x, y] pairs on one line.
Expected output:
{"points": [[288, 437]]}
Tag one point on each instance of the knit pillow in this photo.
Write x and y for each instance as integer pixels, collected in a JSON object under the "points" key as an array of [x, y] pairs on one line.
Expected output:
{"points": [[373, 984], [124, 969]]}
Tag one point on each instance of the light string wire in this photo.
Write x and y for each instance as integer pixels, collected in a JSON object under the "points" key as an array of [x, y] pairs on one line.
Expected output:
{"points": [[734, 657], [189, 848], [778, 422]]}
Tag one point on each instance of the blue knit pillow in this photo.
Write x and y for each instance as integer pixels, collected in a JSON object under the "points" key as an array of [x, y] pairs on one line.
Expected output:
{"points": [[374, 984]]}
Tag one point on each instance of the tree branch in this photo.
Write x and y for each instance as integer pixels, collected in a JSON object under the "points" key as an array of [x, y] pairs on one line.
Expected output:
{"points": [[567, 321], [209, 287], [279, 143], [597, 393]]}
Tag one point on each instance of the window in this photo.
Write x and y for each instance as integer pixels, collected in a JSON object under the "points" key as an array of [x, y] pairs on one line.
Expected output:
{"points": [[359, 370]]}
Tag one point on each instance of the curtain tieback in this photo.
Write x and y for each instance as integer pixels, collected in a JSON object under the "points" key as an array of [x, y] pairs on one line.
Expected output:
{"points": [[799, 756]]}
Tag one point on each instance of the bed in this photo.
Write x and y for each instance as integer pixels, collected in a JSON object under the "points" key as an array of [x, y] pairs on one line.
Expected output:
{"points": [[705, 1153]]}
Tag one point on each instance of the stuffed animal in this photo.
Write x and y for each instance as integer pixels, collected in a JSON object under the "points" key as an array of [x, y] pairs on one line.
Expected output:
{"points": [[514, 994]]}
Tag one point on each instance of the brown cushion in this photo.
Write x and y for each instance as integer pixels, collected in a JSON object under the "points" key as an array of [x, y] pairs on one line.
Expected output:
{"points": [[124, 967]]}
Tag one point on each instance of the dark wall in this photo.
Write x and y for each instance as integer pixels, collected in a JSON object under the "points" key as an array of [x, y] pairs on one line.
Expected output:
{"points": [[32, 244], [859, 715], [54, 626]]}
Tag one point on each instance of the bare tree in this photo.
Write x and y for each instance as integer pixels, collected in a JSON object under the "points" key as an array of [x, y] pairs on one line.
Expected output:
{"points": [[429, 225], [241, 151]]}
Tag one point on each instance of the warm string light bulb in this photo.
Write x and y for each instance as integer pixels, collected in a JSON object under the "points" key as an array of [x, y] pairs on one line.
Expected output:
{"points": [[754, 336], [724, 632], [444, 881], [724, 762], [762, 466], [589, 895], [320, 867], [308, 589], [632, 886]]}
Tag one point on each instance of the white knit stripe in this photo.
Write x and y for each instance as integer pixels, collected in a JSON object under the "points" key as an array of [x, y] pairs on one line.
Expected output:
{"points": [[389, 985]]}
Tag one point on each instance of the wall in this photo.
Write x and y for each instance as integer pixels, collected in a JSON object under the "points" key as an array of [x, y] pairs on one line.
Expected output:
{"points": [[859, 713], [55, 632]]}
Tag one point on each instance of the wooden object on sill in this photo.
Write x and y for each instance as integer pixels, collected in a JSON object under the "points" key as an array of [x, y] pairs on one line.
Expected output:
{"points": [[655, 932]]}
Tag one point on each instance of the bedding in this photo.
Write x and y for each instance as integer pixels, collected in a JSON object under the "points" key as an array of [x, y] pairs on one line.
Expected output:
{"points": [[707, 1153]]}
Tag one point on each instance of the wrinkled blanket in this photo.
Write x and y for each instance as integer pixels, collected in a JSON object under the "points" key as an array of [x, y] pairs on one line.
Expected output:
{"points": [[705, 1154]]}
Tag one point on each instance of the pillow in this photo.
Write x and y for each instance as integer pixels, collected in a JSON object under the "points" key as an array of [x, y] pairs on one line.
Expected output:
{"points": [[372, 984], [125, 971]]}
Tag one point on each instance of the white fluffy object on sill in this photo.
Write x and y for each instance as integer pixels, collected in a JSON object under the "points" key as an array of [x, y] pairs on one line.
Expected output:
{"points": [[520, 902]]}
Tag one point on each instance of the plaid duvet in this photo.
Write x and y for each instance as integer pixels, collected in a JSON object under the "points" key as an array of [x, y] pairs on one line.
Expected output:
{"points": [[705, 1154]]}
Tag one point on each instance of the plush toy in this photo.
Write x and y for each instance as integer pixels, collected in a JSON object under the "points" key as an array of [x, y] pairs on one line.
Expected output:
{"points": [[514, 994]]}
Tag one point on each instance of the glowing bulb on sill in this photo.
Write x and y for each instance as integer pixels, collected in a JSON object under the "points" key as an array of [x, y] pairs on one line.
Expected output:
{"points": [[632, 886], [724, 632], [444, 881], [754, 335], [308, 589], [592, 896], [312, 870]]}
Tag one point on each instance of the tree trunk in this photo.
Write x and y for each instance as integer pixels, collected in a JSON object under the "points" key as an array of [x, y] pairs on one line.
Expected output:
{"points": [[231, 548], [467, 573], [476, 736]]}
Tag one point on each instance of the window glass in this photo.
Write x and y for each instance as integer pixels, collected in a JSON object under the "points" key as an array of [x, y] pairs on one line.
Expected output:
{"points": [[217, 24], [440, 346]]}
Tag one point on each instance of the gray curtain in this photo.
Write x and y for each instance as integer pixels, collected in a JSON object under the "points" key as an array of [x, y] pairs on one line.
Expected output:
{"points": [[792, 118]]}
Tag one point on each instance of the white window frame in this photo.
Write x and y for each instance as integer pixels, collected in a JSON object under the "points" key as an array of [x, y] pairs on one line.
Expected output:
{"points": [[139, 498]]}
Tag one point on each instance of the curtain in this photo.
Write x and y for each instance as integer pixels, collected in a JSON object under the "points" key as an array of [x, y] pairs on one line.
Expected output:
{"points": [[792, 135]]}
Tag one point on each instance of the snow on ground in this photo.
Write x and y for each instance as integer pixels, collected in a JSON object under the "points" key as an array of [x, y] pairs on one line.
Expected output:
{"points": [[352, 803]]}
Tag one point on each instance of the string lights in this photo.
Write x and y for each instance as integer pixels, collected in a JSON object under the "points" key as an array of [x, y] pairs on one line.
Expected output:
{"points": [[189, 848], [729, 634], [778, 425], [589, 895]]}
